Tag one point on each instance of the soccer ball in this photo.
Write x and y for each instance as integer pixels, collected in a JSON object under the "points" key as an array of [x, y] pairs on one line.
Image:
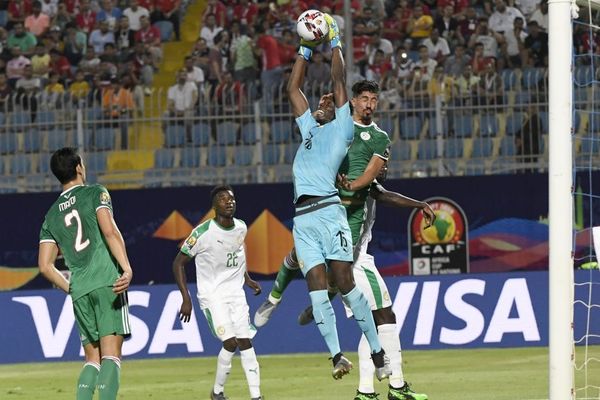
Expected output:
{"points": [[311, 26]]}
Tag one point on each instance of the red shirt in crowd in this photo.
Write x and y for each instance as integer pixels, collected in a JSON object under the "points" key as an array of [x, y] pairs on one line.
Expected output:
{"points": [[220, 12], [147, 4], [61, 66], [457, 5], [72, 6], [245, 15], [147, 36], [19, 10], [287, 53], [359, 44], [86, 21], [166, 6], [270, 52]]}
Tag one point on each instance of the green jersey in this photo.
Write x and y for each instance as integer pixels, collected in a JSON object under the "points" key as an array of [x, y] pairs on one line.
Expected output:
{"points": [[369, 140], [72, 224]]}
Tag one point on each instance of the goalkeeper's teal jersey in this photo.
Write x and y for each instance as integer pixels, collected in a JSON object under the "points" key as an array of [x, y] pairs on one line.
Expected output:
{"points": [[72, 224]]}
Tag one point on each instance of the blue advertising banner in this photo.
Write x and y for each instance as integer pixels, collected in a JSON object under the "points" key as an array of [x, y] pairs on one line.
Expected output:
{"points": [[433, 312]]}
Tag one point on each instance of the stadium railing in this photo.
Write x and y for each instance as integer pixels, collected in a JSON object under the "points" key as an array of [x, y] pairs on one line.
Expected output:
{"points": [[234, 135]]}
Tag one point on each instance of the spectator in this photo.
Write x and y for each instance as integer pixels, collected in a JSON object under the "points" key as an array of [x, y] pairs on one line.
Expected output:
{"points": [[150, 36], [86, 18], [124, 38], [527, 139], [15, 67], [466, 87], [60, 65], [49, 7], [17, 11], [402, 65], [210, 30], [491, 91], [118, 106], [141, 64], [380, 66], [540, 16], [242, 57], [168, 10], [514, 45], [5, 93], [229, 95], [75, 44], [181, 100], [110, 55], [283, 23], [467, 27], [536, 47], [134, 13], [377, 8], [40, 62], [271, 75], [109, 13], [90, 64], [194, 74], [318, 72], [62, 17], [502, 19], [447, 25], [417, 95], [222, 45], [379, 43], [99, 37], [487, 37], [394, 28], [527, 7], [479, 60], [440, 84], [73, 6], [245, 12], [53, 40], [437, 46], [455, 64], [287, 47], [27, 88], [37, 22], [366, 24], [22, 39], [53, 94], [217, 9], [420, 25], [79, 88], [425, 63]]}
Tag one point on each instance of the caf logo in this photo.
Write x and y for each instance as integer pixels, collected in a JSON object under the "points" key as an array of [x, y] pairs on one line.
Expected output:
{"points": [[449, 225]]}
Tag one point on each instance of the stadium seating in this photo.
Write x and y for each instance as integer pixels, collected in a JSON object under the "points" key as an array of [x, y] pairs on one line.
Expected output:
{"points": [[463, 126], [243, 155], [217, 156], [248, 132], [289, 152], [590, 145], [401, 150], [475, 166], [57, 138], [508, 146], [482, 147], [175, 135], [410, 127], [201, 133], [514, 123], [104, 139], [427, 149], [488, 125], [46, 119], [8, 143], [281, 131], [271, 154], [20, 164], [18, 120], [190, 157], [164, 158], [31, 141], [95, 161], [227, 133]]}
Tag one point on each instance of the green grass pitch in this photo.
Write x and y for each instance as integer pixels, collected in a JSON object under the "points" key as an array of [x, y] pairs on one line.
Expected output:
{"points": [[478, 374]]}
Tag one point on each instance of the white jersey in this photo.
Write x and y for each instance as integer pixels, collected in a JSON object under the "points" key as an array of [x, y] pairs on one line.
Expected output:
{"points": [[220, 259]]}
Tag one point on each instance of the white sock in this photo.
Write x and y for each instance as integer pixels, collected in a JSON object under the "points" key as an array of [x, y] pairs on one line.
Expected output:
{"points": [[252, 370], [390, 341], [365, 366], [273, 300], [223, 368]]}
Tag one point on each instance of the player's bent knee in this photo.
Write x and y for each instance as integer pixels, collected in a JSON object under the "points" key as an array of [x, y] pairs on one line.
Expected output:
{"points": [[230, 344], [384, 316], [244, 343]]}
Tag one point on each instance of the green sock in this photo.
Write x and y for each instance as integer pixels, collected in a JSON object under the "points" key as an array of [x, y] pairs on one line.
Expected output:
{"points": [[108, 378], [87, 381], [284, 277]]}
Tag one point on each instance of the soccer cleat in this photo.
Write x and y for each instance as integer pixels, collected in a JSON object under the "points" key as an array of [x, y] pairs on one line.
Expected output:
{"points": [[262, 315], [306, 316], [341, 368], [405, 393], [365, 396], [382, 365], [258, 398], [217, 396]]}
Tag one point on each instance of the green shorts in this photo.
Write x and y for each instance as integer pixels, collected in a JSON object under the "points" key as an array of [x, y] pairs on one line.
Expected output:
{"points": [[101, 313]]}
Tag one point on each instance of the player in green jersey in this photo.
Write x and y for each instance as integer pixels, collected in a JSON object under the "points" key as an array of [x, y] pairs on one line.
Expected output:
{"points": [[80, 224]]}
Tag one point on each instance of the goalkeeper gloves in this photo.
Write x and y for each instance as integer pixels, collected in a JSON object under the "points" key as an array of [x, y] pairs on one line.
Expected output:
{"points": [[306, 49], [334, 32]]}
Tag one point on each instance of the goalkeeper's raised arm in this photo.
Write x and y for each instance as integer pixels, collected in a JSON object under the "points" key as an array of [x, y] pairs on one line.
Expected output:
{"points": [[338, 67]]}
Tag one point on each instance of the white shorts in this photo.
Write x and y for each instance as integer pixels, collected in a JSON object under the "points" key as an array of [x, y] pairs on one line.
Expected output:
{"points": [[369, 281], [228, 318]]}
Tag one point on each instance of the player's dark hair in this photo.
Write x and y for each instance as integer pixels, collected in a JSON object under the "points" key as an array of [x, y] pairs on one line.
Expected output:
{"points": [[365, 86], [218, 189], [63, 164]]}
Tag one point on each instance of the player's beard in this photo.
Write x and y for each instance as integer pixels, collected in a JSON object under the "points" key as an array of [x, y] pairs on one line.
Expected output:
{"points": [[366, 118]]}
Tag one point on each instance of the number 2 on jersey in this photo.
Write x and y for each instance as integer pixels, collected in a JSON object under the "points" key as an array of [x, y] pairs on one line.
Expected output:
{"points": [[79, 243]]}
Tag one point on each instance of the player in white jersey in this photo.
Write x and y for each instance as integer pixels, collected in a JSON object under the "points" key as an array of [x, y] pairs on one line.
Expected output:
{"points": [[217, 247]]}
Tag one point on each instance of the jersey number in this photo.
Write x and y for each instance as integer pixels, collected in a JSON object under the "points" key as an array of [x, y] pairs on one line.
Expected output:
{"points": [[231, 260], [79, 243]]}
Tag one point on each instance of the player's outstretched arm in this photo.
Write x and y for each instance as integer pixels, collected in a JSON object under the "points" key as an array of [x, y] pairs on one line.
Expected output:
{"points": [[46, 257], [297, 99], [367, 177], [179, 272], [338, 67], [393, 199], [116, 245]]}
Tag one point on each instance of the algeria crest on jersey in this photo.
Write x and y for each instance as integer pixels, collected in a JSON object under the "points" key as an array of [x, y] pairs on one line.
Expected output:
{"points": [[365, 135]]}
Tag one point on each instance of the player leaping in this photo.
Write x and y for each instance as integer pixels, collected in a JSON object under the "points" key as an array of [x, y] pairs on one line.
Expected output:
{"points": [[321, 232]]}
